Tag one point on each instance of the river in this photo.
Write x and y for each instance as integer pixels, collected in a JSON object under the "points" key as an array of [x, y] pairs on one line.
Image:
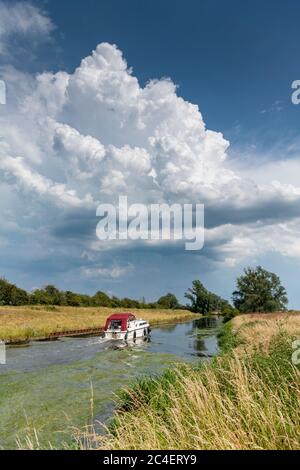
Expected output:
{"points": [[54, 386]]}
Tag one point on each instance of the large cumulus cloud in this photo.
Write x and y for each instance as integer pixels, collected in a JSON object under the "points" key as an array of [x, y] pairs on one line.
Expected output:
{"points": [[70, 141]]}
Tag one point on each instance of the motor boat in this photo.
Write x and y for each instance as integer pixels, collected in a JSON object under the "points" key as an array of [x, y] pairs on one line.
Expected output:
{"points": [[126, 327]]}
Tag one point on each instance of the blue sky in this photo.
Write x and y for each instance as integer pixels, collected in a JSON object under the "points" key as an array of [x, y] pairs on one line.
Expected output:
{"points": [[235, 60]]}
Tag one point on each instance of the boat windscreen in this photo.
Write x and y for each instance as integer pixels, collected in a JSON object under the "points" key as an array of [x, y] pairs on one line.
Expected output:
{"points": [[115, 324]]}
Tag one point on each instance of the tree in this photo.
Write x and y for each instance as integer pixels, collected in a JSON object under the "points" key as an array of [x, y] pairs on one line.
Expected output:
{"points": [[40, 297], [259, 290], [11, 294], [168, 301], [203, 301], [49, 295], [57, 297], [115, 302], [198, 295], [5, 292], [129, 303], [216, 303], [72, 299], [19, 296], [102, 300]]}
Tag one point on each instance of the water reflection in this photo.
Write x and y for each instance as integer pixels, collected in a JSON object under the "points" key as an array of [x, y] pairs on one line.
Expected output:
{"points": [[209, 322], [169, 328], [203, 328]]}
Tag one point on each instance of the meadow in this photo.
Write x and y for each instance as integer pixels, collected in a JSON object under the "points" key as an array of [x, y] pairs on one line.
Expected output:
{"points": [[25, 323], [246, 398]]}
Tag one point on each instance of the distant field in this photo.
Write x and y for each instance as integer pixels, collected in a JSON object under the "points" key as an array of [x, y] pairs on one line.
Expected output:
{"points": [[22, 323], [258, 330]]}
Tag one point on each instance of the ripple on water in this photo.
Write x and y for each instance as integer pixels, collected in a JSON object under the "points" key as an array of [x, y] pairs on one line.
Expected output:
{"points": [[48, 386]]}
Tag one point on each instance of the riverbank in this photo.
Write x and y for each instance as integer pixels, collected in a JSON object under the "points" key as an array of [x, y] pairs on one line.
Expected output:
{"points": [[47, 390], [246, 398], [21, 324]]}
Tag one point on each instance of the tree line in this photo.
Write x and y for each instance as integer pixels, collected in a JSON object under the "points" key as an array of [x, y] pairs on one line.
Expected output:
{"points": [[257, 290], [10, 294]]}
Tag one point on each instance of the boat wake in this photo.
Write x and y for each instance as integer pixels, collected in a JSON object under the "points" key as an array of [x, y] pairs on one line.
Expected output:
{"points": [[122, 344]]}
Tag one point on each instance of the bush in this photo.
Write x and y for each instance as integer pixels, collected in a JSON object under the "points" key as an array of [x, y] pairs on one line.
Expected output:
{"points": [[11, 294], [229, 313]]}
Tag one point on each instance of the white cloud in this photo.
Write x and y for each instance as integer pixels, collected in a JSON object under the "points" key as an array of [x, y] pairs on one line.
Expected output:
{"points": [[236, 244], [113, 272], [77, 139], [22, 20], [29, 179]]}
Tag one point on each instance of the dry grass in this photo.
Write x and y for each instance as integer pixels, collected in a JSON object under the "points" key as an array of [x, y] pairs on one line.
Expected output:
{"points": [[22, 323], [257, 330], [227, 407], [248, 399]]}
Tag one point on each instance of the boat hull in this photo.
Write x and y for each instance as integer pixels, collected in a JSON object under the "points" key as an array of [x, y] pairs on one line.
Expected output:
{"points": [[129, 335]]}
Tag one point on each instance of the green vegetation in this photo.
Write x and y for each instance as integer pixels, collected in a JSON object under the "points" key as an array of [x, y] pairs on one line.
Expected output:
{"points": [[204, 301], [10, 294], [229, 313], [259, 291], [247, 398], [168, 301], [49, 402]]}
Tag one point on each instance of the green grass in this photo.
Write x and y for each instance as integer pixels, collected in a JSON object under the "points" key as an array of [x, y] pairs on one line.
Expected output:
{"points": [[248, 401], [227, 339], [246, 398]]}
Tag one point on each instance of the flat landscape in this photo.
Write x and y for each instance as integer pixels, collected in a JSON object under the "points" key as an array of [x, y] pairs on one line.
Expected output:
{"points": [[150, 228], [24, 323], [246, 398]]}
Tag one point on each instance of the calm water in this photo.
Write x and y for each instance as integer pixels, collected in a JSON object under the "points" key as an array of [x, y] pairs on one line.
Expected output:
{"points": [[48, 386]]}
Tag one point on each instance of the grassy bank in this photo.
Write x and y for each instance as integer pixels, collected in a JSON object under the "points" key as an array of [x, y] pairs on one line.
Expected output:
{"points": [[247, 398], [23, 323]]}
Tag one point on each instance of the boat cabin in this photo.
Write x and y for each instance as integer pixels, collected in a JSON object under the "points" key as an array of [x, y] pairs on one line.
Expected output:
{"points": [[119, 321]]}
